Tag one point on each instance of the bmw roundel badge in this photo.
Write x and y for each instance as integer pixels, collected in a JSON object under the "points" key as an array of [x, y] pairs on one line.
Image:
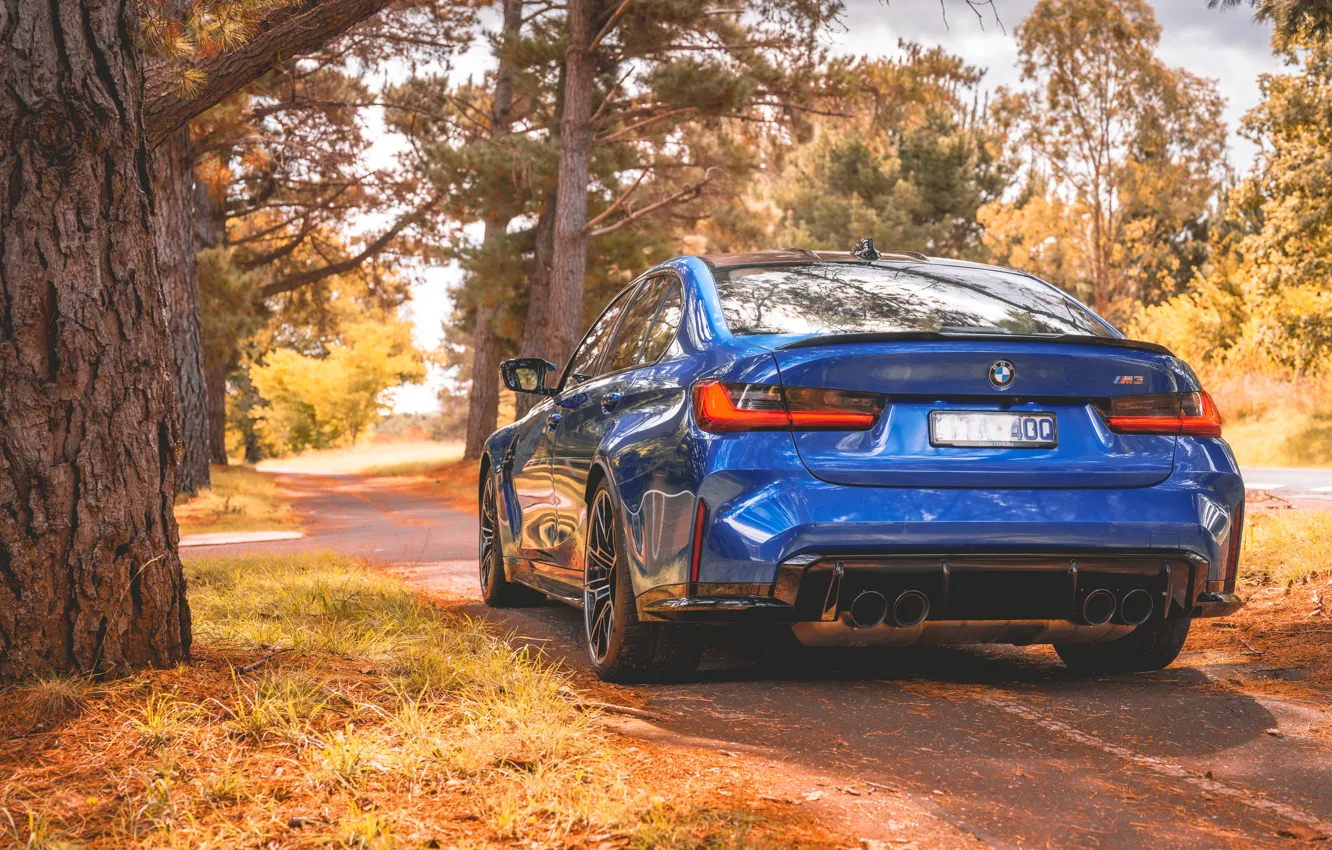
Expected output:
{"points": [[1002, 374]]}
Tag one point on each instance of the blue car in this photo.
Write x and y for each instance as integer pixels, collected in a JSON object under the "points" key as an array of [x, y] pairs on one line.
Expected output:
{"points": [[872, 449]]}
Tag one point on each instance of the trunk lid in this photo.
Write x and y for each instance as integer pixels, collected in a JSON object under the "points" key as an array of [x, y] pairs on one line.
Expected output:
{"points": [[920, 376]]}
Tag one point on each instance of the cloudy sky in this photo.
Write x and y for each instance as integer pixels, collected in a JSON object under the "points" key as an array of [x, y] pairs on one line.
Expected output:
{"points": [[1228, 47]]}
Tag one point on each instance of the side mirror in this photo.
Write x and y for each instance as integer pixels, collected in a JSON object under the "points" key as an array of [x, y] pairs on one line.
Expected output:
{"points": [[527, 375]]}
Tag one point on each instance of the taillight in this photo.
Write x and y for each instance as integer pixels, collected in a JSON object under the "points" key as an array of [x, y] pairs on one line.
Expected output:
{"points": [[1184, 414], [725, 408]]}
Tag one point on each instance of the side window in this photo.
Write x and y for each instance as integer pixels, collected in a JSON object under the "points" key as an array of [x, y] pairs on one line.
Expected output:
{"points": [[664, 326], [583, 364], [637, 319]]}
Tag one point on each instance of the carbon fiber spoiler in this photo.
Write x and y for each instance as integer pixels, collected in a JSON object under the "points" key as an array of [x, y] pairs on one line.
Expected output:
{"points": [[925, 336]]}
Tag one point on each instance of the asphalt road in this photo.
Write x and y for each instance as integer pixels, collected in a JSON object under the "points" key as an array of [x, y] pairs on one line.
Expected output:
{"points": [[999, 746], [1289, 483]]}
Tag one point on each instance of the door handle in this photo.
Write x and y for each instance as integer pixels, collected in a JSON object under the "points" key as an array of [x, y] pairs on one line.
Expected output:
{"points": [[553, 420], [610, 401]]}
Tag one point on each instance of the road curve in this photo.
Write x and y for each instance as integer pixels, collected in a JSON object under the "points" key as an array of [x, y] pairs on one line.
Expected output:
{"points": [[1000, 744]]}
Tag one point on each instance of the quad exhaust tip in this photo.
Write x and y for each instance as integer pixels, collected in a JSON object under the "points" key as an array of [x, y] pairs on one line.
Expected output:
{"points": [[1099, 607], [868, 609], [911, 608], [1136, 607]]}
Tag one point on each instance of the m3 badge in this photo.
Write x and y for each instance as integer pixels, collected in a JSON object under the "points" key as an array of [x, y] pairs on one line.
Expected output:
{"points": [[1129, 379]]}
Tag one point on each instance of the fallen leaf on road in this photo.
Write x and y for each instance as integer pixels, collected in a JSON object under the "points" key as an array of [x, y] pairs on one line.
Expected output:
{"points": [[1302, 833]]}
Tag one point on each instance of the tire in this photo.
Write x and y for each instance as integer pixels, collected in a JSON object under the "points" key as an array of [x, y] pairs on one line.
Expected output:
{"points": [[623, 649], [496, 590], [1152, 646]]}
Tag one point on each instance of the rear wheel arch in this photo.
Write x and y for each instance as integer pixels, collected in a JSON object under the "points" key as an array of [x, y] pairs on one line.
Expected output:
{"points": [[595, 476], [481, 479]]}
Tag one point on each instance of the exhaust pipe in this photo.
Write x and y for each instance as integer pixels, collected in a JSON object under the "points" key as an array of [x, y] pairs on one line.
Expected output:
{"points": [[910, 609], [1098, 607], [1136, 607], [868, 609]]}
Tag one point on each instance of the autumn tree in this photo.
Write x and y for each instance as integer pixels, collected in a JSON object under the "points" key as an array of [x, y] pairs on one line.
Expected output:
{"points": [[678, 91], [282, 176], [688, 59], [1287, 261], [321, 401], [1293, 21], [905, 157], [1133, 150], [90, 578]]}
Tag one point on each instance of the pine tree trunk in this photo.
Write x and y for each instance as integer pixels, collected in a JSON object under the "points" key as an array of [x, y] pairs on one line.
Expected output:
{"points": [[533, 343], [216, 384], [90, 579], [483, 396], [210, 230], [569, 262], [173, 173]]}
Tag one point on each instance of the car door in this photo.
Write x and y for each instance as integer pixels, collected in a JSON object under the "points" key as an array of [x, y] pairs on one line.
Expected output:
{"points": [[533, 488], [573, 401]]}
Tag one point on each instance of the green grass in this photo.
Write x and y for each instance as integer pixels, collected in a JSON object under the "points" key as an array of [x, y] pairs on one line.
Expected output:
{"points": [[241, 499], [1287, 547], [1284, 438], [380, 718]]}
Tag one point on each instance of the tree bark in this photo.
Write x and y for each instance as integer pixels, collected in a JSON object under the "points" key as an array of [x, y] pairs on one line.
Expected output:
{"points": [[173, 174], [534, 342], [89, 575], [483, 395], [210, 230], [569, 260]]}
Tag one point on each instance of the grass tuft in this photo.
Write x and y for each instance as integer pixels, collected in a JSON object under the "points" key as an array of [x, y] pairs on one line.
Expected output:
{"points": [[240, 499], [1286, 547], [377, 720]]}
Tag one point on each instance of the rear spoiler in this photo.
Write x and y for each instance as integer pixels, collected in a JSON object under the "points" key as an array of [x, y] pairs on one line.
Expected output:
{"points": [[923, 336]]}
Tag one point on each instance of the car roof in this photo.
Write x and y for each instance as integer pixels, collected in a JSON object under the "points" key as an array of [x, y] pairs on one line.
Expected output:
{"points": [[804, 256], [798, 256]]}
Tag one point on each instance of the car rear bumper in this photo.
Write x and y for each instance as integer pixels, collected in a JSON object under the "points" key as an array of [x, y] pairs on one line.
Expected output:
{"points": [[971, 598]]}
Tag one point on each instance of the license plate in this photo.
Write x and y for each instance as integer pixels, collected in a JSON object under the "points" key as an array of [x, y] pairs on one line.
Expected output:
{"points": [[992, 428]]}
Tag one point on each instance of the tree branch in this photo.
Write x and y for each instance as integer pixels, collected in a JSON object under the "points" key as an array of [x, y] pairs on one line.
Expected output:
{"points": [[290, 31], [610, 25], [306, 278], [691, 189], [619, 202]]}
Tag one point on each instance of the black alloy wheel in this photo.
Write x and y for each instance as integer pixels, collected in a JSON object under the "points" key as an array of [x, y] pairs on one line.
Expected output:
{"points": [[496, 590], [599, 575], [621, 647]]}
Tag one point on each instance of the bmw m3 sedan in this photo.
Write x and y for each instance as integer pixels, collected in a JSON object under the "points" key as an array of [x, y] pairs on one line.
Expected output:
{"points": [[870, 449]]}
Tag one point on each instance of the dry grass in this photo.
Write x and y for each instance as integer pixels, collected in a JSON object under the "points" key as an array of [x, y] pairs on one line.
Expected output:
{"points": [[1286, 581], [362, 459], [1271, 420], [1287, 546], [378, 721], [454, 482], [241, 499]]}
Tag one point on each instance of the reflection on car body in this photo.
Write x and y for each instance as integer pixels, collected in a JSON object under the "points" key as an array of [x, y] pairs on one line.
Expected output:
{"points": [[874, 449]]}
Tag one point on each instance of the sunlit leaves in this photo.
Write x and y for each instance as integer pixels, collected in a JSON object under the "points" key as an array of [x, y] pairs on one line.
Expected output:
{"points": [[178, 33]]}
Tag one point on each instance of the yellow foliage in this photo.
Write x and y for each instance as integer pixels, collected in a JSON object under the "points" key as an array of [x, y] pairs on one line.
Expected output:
{"points": [[317, 402]]}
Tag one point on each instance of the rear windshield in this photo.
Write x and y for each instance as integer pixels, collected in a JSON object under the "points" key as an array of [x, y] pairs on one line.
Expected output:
{"points": [[827, 298]]}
